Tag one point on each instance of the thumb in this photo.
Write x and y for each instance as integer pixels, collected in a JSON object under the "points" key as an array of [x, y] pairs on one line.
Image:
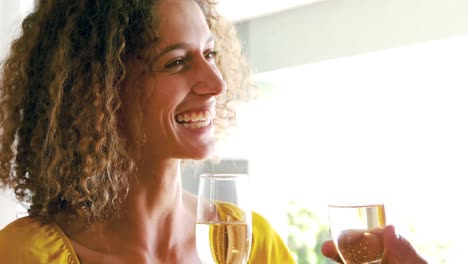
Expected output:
{"points": [[399, 250]]}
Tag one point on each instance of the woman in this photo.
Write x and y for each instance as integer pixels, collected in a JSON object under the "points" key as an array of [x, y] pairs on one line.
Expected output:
{"points": [[100, 102]]}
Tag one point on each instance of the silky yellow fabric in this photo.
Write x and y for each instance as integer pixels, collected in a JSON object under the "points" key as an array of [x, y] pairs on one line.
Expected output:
{"points": [[29, 240], [267, 245]]}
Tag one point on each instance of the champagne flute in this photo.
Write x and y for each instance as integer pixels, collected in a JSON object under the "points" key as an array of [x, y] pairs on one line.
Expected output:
{"points": [[224, 219], [357, 231]]}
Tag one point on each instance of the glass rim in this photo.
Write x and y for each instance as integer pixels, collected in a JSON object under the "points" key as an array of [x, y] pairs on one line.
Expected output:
{"points": [[224, 176]]}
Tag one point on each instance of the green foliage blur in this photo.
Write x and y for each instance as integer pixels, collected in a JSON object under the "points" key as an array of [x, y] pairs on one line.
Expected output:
{"points": [[305, 235]]}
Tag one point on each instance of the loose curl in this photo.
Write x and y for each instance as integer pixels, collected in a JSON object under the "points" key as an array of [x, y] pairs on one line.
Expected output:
{"points": [[60, 146]]}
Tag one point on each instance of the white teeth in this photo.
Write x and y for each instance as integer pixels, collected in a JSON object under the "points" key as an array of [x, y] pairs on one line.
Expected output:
{"points": [[196, 125], [195, 117]]}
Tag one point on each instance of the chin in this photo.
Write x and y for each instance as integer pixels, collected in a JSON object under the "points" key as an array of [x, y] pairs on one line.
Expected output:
{"points": [[201, 154]]}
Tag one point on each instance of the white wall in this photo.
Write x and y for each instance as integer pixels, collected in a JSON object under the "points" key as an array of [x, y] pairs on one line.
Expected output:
{"points": [[336, 28], [387, 125], [375, 88], [11, 14]]}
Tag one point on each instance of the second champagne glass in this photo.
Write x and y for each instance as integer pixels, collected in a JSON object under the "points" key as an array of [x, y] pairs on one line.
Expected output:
{"points": [[224, 219], [357, 231]]}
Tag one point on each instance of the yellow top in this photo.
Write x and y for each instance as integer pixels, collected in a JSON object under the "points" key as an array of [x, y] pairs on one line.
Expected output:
{"points": [[29, 240]]}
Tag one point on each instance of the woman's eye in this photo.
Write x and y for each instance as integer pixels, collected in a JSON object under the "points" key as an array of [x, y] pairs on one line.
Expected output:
{"points": [[174, 64], [211, 55]]}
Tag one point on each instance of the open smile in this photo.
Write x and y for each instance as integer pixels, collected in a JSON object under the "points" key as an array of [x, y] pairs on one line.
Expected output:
{"points": [[195, 119]]}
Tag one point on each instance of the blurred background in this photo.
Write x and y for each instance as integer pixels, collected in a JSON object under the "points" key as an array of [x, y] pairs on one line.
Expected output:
{"points": [[359, 99]]}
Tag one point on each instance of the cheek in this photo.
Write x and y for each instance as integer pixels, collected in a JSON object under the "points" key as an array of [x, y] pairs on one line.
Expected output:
{"points": [[166, 92], [160, 103], [159, 111], [163, 95]]}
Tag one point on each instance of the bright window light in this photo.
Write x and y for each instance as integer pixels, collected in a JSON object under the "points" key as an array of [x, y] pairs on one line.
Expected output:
{"points": [[391, 124]]}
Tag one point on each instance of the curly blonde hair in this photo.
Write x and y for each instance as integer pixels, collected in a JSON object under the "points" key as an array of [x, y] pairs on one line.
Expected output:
{"points": [[60, 146]]}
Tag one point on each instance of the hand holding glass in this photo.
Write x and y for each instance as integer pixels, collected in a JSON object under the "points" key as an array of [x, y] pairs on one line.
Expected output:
{"points": [[357, 231], [224, 219]]}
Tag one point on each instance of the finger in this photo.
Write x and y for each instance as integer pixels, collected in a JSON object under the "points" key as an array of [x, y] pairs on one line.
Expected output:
{"points": [[329, 251], [400, 250]]}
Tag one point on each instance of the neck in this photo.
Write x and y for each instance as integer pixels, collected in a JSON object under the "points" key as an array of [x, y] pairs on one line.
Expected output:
{"points": [[157, 217], [155, 191], [154, 204]]}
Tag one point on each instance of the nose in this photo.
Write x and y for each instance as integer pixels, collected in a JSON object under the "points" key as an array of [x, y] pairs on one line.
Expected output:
{"points": [[208, 78]]}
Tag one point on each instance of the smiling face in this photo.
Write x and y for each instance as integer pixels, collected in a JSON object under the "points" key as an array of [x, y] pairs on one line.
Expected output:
{"points": [[179, 92]]}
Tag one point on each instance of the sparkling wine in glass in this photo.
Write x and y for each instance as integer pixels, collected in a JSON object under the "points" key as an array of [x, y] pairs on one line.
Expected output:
{"points": [[224, 219], [357, 231]]}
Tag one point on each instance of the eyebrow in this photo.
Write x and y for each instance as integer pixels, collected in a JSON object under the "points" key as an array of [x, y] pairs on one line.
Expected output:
{"points": [[178, 46]]}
